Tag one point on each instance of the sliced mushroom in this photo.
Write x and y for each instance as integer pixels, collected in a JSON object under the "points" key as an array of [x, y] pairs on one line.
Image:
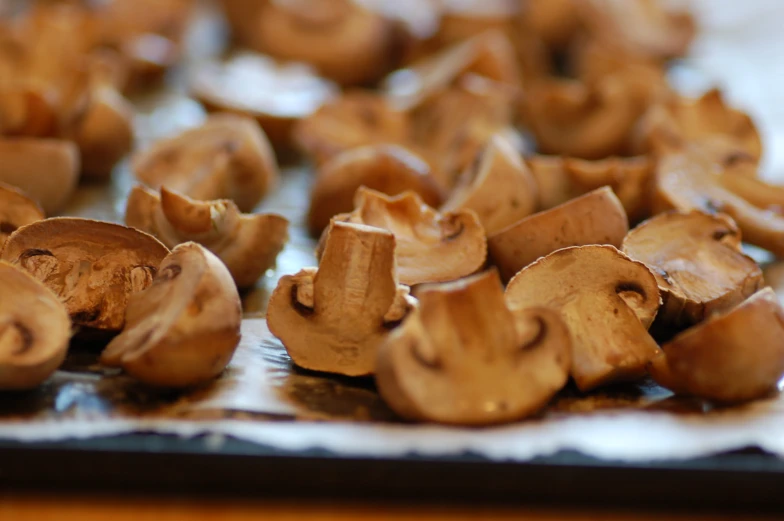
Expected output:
{"points": [[93, 266], [698, 263], [730, 358], [334, 318], [465, 358], [228, 157], [389, 169], [34, 330], [431, 247], [16, 210], [248, 244], [554, 21], [275, 95], [594, 218], [463, 19], [608, 302], [181, 331], [355, 119], [45, 169], [499, 187]]}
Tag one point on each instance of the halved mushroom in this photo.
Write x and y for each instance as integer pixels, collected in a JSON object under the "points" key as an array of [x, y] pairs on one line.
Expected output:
{"points": [[183, 329], [227, 157], [45, 169], [34, 330], [389, 169], [608, 302], [275, 95], [248, 244], [431, 247], [730, 358], [93, 266], [355, 119], [465, 358], [498, 187], [594, 218], [16, 210], [334, 318], [698, 263]]}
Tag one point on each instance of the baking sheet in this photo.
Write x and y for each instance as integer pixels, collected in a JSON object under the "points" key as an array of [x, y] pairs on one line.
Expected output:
{"points": [[262, 398]]}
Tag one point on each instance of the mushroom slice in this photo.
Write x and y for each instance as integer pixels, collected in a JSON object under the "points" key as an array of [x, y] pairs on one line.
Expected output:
{"points": [[608, 302], [45, 169], [431, 247], [334, 318], [182, 330], [698, 263], [92, 266], [248, 244], [499, 187], [355, 119], [389, 169], [16, 210], [730, 358], [275, 95], [465, 358], [594, 218], [228, 157], [34, 330]]}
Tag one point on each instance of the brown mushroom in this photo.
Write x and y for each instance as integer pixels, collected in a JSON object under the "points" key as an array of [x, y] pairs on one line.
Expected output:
{"points": [[334, 318], [464, 19], [554, 21], [698, 263], [16, 210], [228, 157], [183, 329], [26, 111], [248, 244], [275, 95], [34, 330], [729, 358], [608, 302], [45, 169], [431, 247], [465, 358], [389, 169], [93, 266], [498, 187], [594, 218]]}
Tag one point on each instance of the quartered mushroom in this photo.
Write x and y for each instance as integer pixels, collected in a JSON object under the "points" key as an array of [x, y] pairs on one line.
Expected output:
{"points": [[16, 210], [45, 169], [93, 266], [248, 244], [608, 302], [431, 247], [275, 95], [390, 169], [463, 357], [334, 318], [227, 157], [183, 329], [698, 262], [34, 330], [729, 358], [498, 187], [594, 218]]}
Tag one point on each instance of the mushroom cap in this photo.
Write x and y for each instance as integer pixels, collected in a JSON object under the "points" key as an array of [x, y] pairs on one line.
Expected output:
{"points": [[334, 318], [430, 247], [16, 210], [607, 300], [390, 169], [34, 330], [182, 330], [698, 263], [227, 157], [464, 358], [93, 266], [594, 218], [734, 357]]}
